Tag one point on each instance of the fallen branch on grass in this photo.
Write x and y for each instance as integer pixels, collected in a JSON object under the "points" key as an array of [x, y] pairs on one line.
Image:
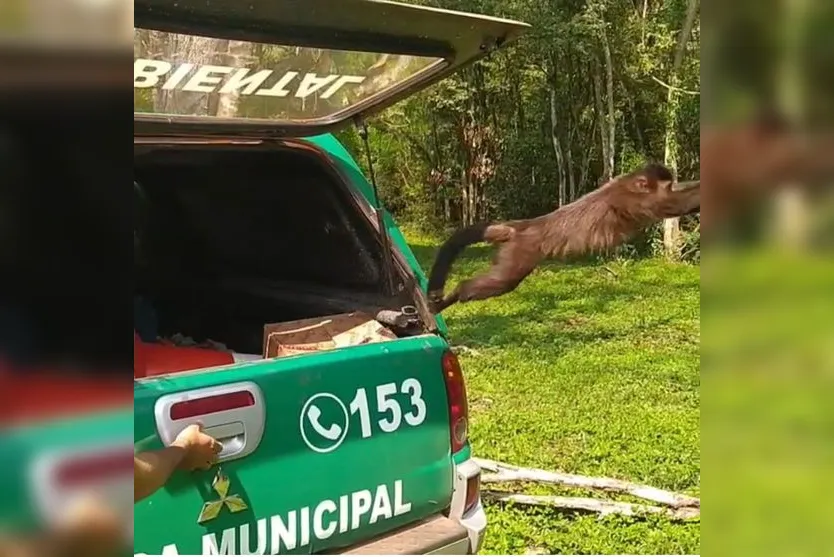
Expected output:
{"points": [[461, 349], [508, 473], [604, 508]]}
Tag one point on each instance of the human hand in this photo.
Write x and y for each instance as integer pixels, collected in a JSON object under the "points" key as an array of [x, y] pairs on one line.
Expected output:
{"points": [[89, 528], [200, 449]]}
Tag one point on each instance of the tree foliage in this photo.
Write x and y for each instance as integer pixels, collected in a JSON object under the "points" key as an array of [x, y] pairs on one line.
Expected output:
{"points": [[583, 95]]}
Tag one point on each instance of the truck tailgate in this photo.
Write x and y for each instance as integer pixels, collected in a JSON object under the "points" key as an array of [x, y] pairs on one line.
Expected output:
{"points": [[354, 443]]}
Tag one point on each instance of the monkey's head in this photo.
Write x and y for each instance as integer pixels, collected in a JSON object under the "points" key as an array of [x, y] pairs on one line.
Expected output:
{"points": [[652, 194]]}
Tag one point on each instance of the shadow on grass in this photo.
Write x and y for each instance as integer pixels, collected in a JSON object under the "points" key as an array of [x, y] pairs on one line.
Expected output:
{"points": [[561, 316], [556, 332]]}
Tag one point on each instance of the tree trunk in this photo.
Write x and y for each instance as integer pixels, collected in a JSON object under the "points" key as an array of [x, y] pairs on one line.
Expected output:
{"points": [[586, 156], [464, 201], [473, 202], [791, 222], [571, 177], [671, 227], [557, 147], [607, 169], [573, 128], [236, 54], [197, 50], [609, 92]]}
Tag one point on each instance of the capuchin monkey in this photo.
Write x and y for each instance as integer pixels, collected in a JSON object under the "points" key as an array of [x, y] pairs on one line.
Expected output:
{"points": [[596, 222]]}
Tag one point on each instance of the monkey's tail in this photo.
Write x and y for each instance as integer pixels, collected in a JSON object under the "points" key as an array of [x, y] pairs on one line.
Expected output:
{"points": [[449, 251]]}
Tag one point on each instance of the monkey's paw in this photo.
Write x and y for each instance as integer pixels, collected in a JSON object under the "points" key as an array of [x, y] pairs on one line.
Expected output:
{"points": [[435, 300]]}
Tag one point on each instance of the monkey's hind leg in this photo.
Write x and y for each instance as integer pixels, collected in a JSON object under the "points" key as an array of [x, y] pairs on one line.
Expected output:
{"points": [[485, 286], [510, 266], [481, 287], [492, 234]]}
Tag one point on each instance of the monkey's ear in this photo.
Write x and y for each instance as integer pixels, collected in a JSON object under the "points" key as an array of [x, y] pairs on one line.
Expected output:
{"points": [[643, 183]]}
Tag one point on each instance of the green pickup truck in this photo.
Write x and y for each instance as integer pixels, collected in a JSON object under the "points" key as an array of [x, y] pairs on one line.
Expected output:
{"points": [[249, 212]]}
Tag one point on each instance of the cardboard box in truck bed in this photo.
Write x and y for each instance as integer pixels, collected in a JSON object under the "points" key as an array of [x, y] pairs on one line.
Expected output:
{"points": [[322, 333]]}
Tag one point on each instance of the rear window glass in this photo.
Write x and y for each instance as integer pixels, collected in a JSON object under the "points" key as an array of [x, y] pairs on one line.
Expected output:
{"points": [[190, 75]]}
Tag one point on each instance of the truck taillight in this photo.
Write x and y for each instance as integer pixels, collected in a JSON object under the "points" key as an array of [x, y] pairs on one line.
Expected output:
{"points": [[85, 469], [458, 405], [473, 493]]}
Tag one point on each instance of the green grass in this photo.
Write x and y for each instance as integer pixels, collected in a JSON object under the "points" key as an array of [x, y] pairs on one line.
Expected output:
{"points": [[586, 370]]}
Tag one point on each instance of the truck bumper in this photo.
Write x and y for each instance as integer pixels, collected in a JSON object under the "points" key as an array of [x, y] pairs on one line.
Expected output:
{"points": [[468, 476], [460, 533], [436, 535]]}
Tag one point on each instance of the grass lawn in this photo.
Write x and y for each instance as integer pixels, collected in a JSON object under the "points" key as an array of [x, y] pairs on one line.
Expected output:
{"points": [[589, 371]]}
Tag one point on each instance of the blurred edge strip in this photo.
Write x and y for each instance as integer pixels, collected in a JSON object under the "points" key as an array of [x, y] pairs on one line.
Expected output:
{"points": [[43, 67]]}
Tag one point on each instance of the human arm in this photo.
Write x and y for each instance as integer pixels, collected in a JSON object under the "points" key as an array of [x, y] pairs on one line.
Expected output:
{"points": [[151, 469], [191, 450]]}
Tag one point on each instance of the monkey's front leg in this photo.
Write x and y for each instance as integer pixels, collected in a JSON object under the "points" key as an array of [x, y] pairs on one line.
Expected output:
{"points": [[437, 303]]}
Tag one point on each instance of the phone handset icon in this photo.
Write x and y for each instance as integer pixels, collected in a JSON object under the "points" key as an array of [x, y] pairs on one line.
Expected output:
{"points": [[314, 415]]}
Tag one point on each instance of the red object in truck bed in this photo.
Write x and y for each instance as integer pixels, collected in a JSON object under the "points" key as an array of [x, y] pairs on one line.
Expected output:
{"points": [[35, 395], [157, 359]]}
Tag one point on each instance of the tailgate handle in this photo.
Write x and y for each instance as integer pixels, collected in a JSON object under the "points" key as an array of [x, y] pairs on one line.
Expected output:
{"points": [[59, 478], [234, 414]]}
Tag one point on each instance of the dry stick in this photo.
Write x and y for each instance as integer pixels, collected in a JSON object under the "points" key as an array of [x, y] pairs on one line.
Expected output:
{"points": [[604, 508], [465, 350], [509, 473]]}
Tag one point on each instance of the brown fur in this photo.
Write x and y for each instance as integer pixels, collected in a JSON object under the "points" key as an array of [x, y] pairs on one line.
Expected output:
{"points": [[597, 222], [751, 160]]}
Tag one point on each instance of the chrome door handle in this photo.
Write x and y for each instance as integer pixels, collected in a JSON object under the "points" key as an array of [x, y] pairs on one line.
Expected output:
{"points": [[234, 414]]}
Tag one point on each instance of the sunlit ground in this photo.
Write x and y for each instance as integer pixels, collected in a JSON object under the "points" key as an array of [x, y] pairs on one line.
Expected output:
{"points": [[768, 376], [588, 369]]}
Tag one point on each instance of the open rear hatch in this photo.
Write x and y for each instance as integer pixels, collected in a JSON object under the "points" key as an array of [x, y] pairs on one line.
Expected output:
{"points": [[263, 68], [389, 412]]}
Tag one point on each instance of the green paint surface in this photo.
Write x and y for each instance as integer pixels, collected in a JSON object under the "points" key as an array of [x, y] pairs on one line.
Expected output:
{"points": [[285, 476], [21, 448]]}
